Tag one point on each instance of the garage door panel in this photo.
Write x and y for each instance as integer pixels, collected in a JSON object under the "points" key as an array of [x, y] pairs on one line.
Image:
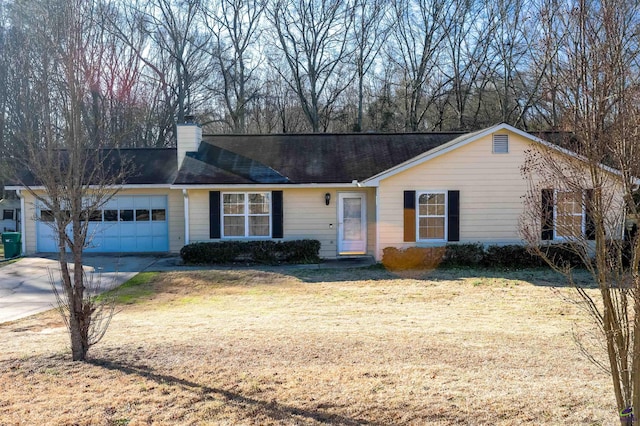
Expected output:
{"points": [[127, 225], [111, 244], [158, 229], [144, 244], [158, 201], [143, 228], [127, 229], [128, 243]]}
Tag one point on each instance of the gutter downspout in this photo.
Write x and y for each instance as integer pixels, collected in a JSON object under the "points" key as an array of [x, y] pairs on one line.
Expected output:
{"points": [[376, 255], [22, 222], [185, 195]]}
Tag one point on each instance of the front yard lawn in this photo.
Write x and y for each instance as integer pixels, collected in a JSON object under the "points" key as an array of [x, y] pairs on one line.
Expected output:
{"points": [[296, 346]]}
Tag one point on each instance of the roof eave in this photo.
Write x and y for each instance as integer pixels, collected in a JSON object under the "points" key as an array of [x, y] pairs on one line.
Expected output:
{"points": [[265, 185], [115, 187]]}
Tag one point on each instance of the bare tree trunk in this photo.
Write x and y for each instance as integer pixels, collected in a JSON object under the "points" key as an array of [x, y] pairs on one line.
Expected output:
{"points": [[64, 165], [313, 39]]}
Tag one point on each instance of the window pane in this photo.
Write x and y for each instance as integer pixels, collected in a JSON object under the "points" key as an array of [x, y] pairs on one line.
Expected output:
{"points": [[126, 215], [431, 228], [233, 203], [431, 204], [111, 215], [142, 215], [95, 216], [352, 208], [424, 198], [46, 215], [568, 214], [259, 226], [569, 203], [234, 226], [569, 226], [259, 204], [158, 215], [352, 229], [432, 213], [7, 215]]}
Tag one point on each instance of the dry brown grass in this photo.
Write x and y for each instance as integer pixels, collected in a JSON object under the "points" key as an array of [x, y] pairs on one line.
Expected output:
{"points": [[314, 347]]}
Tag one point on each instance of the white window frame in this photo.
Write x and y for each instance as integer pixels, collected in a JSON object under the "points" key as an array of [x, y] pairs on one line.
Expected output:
{"points": [[446, 217], [583, 215], [246, 215]]}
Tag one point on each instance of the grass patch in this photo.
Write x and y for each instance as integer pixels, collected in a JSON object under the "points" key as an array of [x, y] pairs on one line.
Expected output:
{"points": [[135, 290], [312, 347]]}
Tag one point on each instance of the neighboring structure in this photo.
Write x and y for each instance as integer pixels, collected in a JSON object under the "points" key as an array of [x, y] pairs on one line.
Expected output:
{"points": [[355, 193]]}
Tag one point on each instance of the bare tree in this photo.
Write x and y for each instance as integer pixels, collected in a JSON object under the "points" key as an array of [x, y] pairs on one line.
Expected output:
{"points": [[235, 28], [313, 41], [370, 32], [577, 201], [174, 50], [67, 171], [419, 30], [467, 48]]}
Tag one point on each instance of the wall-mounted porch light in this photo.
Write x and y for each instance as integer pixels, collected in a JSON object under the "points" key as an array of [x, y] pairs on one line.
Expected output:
{"points": [[327, 198]]}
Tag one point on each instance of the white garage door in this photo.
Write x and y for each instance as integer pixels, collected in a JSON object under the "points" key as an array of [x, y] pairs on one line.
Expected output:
{"points": [[127, 223]]}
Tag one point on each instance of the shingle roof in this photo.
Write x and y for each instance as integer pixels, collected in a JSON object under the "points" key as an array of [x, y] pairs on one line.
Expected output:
{"points": [[143, 165], [212, 164], [150, 165], [302, 158], [320, 158]]}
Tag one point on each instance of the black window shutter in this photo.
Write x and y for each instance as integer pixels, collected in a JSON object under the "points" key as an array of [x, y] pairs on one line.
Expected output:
{"points": [[409, 216], [547, 214], [453, 215], [277, 214], [589, 225], [214, 214]]}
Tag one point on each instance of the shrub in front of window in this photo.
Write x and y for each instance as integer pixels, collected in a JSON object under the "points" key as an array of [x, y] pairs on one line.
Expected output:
{"points": [[510, 256], [564, 254], [466, 255], [264, 252], [210, 253], [476, 255]]}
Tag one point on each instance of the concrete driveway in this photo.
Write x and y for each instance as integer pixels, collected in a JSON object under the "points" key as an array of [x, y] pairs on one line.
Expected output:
{"points": [[25, 288]]}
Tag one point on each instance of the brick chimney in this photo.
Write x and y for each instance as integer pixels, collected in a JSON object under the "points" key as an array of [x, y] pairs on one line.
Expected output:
{"points": [[188, 137]]}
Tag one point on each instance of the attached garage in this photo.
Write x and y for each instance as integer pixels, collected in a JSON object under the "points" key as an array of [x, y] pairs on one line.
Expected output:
{"points": [[127, 223]]}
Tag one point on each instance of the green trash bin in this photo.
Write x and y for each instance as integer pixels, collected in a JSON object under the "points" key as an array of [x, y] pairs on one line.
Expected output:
{"points": [[11, 242]]}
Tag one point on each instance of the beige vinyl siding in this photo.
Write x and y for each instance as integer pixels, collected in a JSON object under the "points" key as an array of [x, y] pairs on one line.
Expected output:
{"points": [[198, 215], [306, 216], [29, 223], [490, 185], [175, 217]]}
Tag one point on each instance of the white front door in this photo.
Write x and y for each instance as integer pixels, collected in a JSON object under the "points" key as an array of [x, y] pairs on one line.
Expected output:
{"points": [[352, 225]]}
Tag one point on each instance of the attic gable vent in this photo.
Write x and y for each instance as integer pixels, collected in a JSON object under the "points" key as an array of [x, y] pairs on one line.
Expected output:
{"points": [[500, 144]]}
